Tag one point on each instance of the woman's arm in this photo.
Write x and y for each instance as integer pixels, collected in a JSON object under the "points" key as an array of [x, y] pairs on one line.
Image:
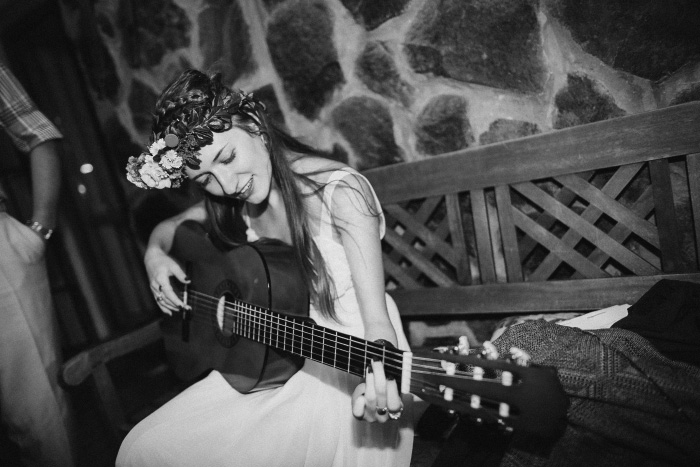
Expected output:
{"points": [[160, 266], [356, 217]]}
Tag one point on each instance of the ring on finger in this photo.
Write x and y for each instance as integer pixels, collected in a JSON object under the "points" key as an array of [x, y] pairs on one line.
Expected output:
{"points": [[382, 410], [396, 415]]}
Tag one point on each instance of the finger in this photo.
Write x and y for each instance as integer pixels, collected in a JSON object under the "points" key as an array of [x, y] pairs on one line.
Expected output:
{"points": [[165, 310], [380, 390], [393, 398], [370, 396], [172, 300], [180, 275], [358, 401]]}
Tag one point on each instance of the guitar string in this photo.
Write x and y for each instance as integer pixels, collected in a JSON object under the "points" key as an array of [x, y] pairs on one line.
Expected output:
{"points": [[317, 330], [252, 317], [374, 349], [296, 333]]}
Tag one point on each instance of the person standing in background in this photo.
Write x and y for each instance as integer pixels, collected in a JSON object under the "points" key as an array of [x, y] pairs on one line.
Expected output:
{"points": [[33, 407]]}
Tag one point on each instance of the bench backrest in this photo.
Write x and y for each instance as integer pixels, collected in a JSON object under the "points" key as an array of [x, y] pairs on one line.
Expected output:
{"points": [[575, 219]]}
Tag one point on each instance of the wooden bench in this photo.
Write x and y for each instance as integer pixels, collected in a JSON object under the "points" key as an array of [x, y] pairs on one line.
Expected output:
{"points": [[571, 220]]}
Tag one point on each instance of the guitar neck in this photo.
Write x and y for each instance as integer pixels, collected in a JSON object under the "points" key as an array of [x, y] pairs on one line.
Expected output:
{"points": [[456, 382], [301, 337]]}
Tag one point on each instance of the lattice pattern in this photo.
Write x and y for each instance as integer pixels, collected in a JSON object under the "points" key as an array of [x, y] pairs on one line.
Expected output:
{"points": [[588, 225]]}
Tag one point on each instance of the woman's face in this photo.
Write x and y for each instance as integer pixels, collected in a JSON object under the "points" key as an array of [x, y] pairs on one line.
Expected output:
{"points": [[235, 164]]}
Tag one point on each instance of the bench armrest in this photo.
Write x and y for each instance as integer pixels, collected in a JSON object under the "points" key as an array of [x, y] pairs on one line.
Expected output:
{"points": [[77, 369]]}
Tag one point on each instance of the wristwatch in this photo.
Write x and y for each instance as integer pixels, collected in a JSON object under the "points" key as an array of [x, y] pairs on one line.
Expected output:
{"points": [[40, 229]]}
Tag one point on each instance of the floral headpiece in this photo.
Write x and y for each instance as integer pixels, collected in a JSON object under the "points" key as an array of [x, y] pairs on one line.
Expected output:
{"points": [[176, 147]]}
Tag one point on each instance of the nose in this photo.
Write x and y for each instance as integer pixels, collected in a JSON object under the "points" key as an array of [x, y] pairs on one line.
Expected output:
{"points": [[227, 179]]}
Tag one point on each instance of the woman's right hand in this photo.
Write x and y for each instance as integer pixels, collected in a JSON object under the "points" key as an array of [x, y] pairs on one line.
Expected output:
{"points": [[160, 267]]}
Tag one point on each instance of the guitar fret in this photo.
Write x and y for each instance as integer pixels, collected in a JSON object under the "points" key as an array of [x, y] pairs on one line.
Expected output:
{"points": [[323, 343], [278, 328], [335, 351], [365, 362]]}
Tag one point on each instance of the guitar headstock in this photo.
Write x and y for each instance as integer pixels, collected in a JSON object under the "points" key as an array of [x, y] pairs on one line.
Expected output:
{"points": [[501, 392]]}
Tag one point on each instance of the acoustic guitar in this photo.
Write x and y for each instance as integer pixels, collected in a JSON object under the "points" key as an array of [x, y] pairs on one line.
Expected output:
{"points": [[249, 320]]}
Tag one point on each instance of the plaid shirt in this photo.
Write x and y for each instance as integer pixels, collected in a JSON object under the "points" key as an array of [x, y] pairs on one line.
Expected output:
{"points": [[19, 117]]}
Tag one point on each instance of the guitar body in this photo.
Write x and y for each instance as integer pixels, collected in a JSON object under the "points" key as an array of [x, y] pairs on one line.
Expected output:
{"points": [[265, 274]]}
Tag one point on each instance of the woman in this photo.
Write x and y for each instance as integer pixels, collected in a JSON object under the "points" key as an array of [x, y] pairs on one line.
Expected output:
{"points": [[248, 169]]}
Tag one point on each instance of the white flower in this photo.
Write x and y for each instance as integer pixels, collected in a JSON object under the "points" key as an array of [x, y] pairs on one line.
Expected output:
{"points": [[135, 181], [157, 146], [171, 160], [154, 176]]}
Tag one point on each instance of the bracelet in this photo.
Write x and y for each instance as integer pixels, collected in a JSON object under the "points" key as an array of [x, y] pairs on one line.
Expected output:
{"points": [[40, 229]]}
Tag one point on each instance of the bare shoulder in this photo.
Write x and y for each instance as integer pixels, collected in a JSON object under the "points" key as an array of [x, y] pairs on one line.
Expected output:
{"points": [[316, 168]]}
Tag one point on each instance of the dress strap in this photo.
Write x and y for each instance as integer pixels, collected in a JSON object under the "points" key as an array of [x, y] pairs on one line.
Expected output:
{"points": [[326, 227]]}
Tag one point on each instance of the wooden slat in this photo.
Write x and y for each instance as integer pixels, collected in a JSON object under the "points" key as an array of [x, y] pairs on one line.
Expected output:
{"points": [[459, 243], [79, 367], [612, 208], [487, 269], [528, 297], [418, 261], [642, 137], [613, 187], [546, 220], [424, 212], [109, 400], [693, 162], [594, 235], [666, 220], [556, 246], [508, 235], [433, 243], [399, 274], [643, 207]]}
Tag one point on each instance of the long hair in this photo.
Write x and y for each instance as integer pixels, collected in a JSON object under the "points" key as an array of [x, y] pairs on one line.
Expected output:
{"points": [[194, 90]]}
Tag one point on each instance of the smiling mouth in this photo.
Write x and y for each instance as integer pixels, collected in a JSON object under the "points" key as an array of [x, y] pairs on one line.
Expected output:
{"points": [[247, 188]]}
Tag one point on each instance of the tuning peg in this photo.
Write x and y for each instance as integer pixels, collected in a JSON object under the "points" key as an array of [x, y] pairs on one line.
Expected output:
{"points": [[450, 369], [519, 356], [489, 351], [478, 375], [463, 346], [506, 380]]}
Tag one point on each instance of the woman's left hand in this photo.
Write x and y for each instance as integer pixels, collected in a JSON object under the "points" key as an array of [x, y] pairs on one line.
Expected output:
{"points": [[377, 399]]}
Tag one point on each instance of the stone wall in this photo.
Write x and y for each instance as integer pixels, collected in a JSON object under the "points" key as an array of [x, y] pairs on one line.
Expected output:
{"points": [[379, 82], [375, 83]]}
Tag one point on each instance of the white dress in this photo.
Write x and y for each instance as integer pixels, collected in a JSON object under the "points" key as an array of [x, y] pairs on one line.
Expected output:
{"points": [[306, 422]]}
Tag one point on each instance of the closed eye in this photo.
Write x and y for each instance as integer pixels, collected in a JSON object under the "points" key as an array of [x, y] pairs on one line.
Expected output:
{"points": [[203, 180], [230, 157]]}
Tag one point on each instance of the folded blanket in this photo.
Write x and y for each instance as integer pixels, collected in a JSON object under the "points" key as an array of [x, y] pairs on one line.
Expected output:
{"points": [[630, 405]]}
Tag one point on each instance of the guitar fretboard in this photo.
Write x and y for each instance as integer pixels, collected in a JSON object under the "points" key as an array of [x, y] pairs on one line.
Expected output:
{"points": [[297, 336]]}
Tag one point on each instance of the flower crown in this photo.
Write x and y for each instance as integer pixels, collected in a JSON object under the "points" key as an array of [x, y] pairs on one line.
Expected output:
{"points": [[177, 146]]}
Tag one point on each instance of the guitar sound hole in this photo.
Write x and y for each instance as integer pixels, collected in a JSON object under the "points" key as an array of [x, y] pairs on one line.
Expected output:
{"points": [[224, 320]]}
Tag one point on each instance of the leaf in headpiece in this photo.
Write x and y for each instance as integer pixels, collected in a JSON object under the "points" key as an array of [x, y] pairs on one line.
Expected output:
{"points": [[215, 124]]}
